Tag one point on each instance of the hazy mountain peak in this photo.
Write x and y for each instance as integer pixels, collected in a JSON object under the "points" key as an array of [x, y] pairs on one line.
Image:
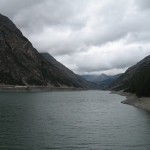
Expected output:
{"points": [[103, 80]]}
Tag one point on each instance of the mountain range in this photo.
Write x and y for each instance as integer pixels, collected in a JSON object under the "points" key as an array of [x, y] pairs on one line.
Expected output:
{"points": [[70, 74], [22, 64], [103, 80], [96, 78]]}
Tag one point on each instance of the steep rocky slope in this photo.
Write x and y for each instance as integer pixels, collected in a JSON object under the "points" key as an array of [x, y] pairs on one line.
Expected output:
{"points": [[21, 64], [70, 74], [136, 79]]}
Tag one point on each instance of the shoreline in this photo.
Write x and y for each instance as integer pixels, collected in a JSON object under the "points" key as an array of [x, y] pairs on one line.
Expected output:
{"points": [[11, 88], [132, 99]]}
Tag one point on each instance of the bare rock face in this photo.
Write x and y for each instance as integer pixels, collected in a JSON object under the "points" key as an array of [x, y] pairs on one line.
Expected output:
{"points": [[21, 64], [18, 59]]}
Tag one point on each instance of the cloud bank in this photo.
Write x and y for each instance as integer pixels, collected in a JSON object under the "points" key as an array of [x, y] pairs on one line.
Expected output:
{"points": [[88, 36]]}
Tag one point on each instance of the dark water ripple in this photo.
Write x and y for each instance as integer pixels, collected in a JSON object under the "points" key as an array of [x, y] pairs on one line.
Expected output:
{"points": [[87, 120]]}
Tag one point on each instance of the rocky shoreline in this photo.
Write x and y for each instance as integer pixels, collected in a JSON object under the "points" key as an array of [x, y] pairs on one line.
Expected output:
{"points": [[132, 99], [11, 88]]}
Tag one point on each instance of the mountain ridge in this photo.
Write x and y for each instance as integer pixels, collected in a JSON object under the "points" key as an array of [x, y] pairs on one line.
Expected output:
{"points": [[21, 64], [136, 79], [103, 80], [69, 73]]}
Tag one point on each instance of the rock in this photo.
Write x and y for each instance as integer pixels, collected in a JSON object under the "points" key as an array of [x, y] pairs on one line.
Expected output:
{"points": [[21, 64]]}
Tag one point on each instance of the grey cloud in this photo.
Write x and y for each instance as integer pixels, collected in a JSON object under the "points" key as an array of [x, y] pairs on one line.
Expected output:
{"points": [[143, 4], [105, 60], [71, 28], [13, 7], [51, 13]]}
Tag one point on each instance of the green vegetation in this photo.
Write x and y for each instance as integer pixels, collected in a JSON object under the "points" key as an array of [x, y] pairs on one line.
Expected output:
{"points": [[140, 84]]}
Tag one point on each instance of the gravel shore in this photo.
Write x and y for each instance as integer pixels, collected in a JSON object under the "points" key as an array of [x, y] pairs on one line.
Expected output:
{"points": [[132, 99]]}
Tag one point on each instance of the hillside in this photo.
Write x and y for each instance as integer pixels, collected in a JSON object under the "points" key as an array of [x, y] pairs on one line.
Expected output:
{"points": [[104, 84], [21, 64], [102, 80], [96, 78], [70, 74], [136, 79]]}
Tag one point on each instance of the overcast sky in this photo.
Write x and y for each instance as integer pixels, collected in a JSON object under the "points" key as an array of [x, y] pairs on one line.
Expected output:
{"points": [[88, 36]]}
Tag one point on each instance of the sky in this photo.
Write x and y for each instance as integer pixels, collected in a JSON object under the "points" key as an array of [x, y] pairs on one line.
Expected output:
{"points": [[87, 36]]}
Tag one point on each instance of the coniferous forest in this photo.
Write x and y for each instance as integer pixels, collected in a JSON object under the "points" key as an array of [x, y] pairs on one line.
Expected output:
{"points": [[140, 84]]}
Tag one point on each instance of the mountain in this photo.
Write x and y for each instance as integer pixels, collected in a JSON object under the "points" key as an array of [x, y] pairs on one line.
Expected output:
{"points": [[104, 84], [21, 64], [70, 74], [136, 79], [102, 80], [90, 78], [96, 78]]}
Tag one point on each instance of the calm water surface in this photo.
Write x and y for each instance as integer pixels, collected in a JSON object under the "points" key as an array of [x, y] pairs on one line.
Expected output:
{"points": [[86, 120]]}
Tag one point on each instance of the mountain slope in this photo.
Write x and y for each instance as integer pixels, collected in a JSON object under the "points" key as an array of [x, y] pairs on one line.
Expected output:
{"points": [[90, 78], [102, 80], [136, 79], [104, 84], [96, 78], [70, 74], [21, 64]]}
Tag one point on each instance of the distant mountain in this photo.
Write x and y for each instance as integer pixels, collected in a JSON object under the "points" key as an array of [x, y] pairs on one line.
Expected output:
{"points": [[90, 78], [21, 64], [104, 84], [102, 80], [136, 79], [96, 78], [68, 73]]}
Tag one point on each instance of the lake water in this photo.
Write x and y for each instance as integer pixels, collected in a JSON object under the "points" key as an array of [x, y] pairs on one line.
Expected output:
{"points": [[86, 120]]}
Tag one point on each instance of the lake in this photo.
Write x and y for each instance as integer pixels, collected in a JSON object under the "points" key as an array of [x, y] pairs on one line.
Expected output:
{"points": [[82, 120]]}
